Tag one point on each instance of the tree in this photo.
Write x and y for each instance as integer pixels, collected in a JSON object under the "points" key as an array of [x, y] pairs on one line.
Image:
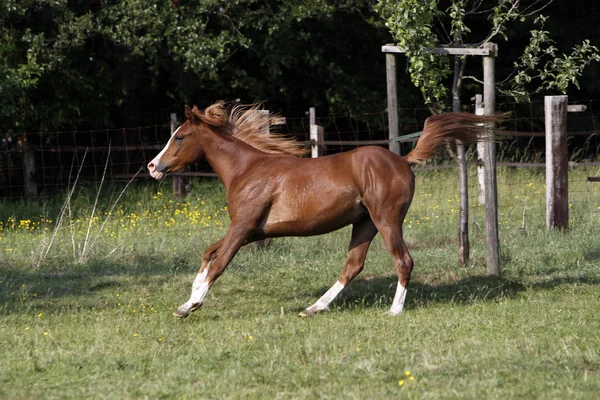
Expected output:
{"points": [[289, 53], [107, 63], [418, 26], [38, 43], [103, 63]]}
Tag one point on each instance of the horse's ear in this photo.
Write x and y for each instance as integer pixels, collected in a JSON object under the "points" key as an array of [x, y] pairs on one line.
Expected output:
{"points": [[192, 114]]}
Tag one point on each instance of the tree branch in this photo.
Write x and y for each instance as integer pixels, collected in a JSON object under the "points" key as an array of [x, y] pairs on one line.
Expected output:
{"points": [[473, 79]]}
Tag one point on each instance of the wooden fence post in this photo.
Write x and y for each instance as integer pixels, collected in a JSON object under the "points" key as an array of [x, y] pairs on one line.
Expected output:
{"points": [[463, 178], [480, 155], [178, 182], [557, 168], [491, 191], [30, 188], [392, 99], [316, 135], [463, 218]]}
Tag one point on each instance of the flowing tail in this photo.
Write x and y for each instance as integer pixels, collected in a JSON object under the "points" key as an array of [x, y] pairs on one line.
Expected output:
{"points": [[442, 128]]}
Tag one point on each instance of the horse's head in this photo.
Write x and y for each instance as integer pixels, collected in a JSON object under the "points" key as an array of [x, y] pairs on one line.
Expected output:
{"points": [[185, 145]]}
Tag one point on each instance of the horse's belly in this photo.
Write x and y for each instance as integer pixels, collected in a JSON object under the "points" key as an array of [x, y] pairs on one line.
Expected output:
{"points": [[313, 217]]}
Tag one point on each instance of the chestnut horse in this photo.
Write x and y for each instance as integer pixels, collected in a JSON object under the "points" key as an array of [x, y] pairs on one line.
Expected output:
{"points": [[272, 192]]}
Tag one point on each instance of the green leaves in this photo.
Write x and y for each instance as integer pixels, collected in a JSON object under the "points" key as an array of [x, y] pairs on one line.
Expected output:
{"points": [[411, 25], [540, 64], [37, 39], [418, 26], [89, 64]]}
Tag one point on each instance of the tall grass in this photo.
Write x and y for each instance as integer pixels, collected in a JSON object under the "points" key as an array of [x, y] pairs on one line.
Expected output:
{"points": [[103, 328]]}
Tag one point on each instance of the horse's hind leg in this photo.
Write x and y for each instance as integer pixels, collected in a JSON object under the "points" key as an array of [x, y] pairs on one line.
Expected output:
{"points": [[404, 268], [363, 233], [403, 262]]}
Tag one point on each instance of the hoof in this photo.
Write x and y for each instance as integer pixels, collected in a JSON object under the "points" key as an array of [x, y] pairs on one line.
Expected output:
{"points": [[310, 311], [181, 312], [393, 314]]}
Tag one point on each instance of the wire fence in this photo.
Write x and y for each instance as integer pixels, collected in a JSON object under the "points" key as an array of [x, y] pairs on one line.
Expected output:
{"points": [[521, 198], [53, 159]]}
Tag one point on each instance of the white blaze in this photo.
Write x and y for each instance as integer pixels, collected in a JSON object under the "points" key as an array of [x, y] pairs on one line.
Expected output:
{"points": [[157, 172]]}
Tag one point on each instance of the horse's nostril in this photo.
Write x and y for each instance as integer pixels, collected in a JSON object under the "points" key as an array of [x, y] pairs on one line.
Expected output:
{"points": [[150, 166]]}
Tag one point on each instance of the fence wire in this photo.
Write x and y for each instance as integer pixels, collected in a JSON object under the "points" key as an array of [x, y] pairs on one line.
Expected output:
{"points": [[58, 156]]}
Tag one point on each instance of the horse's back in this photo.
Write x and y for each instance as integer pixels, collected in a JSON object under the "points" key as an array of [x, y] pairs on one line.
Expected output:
{"points": [[369, 168]]}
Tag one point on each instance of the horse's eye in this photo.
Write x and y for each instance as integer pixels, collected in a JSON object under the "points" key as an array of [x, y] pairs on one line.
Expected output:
{"points": [[178, 138]]}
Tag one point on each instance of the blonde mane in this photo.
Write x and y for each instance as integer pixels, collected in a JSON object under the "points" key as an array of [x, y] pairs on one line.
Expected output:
{"points": [[250, 124]]}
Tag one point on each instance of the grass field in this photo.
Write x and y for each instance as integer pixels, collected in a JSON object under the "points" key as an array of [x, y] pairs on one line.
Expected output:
{"points": [[86, 303]]}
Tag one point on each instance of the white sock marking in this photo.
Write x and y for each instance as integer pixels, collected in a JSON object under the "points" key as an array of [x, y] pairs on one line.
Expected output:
{"points": [[326, 299], [398, 303], [199, 291]]}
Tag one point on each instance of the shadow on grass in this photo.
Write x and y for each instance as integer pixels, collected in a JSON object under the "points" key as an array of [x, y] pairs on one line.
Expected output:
{"points": [[379, 291], [82, 282], [592, 255], [19, 289]]}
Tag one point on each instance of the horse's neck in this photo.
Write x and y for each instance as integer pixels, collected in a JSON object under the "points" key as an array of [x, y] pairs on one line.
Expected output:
{"points": [[228, 156]]}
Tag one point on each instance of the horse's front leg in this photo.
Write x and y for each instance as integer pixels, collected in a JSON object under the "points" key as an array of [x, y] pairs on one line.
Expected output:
{"points": [[220, 253], [209, 255]]}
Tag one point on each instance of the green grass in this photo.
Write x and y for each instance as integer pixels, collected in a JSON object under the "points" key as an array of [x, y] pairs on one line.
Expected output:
{"points": [[102, 327]]}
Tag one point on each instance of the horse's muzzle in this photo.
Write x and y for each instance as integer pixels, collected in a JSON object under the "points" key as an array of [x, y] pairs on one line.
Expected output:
{"points": [[156, 174]]}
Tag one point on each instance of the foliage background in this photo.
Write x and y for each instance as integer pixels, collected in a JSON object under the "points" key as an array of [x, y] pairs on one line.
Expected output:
{"points": [[117, 63]]}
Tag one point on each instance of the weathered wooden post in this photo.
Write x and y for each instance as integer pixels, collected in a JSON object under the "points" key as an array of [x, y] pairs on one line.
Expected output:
{"points": [[463, 177], [29, 185], [489, 53], [480, 155], [178, 182], [557, 168], [316, 135], [392, 99], [491, 191]]}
